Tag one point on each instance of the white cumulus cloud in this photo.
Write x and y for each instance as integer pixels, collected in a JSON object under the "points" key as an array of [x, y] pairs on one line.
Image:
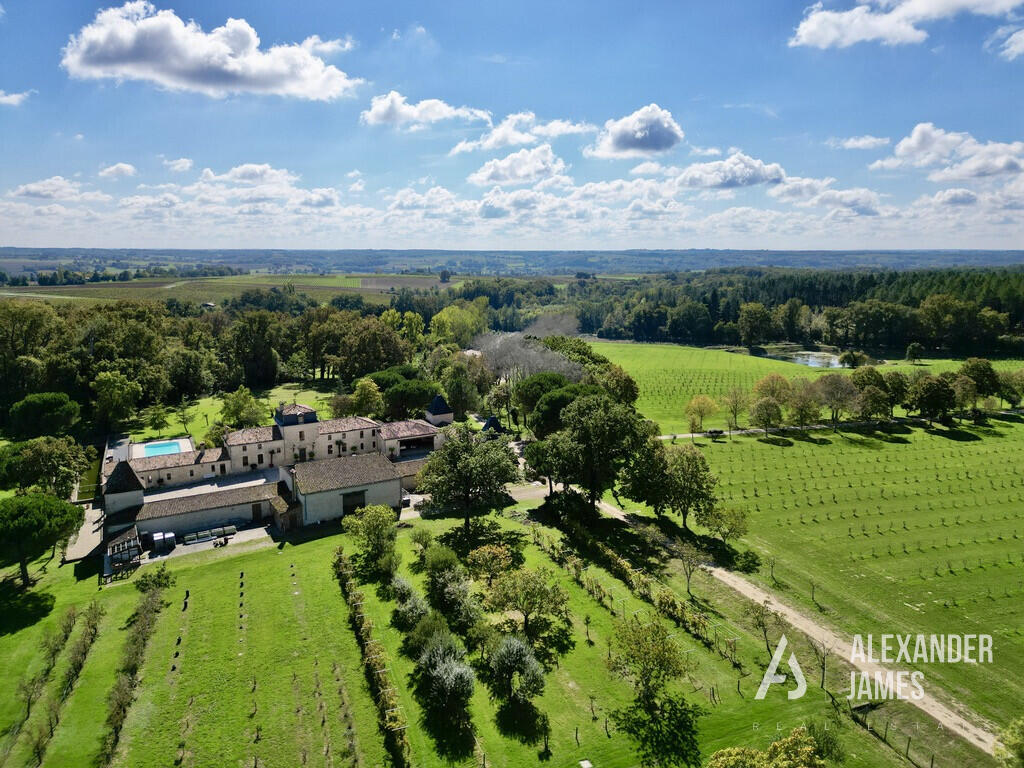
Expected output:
{"points": [[118, 171], [521, 128], [859, 142], [394, 109], [891, 22], [648, 131], [58, 188], [737, 170], [956, 156], [1013, 46], [138, 42], [13, 99], [181, 165], [523, 167]]}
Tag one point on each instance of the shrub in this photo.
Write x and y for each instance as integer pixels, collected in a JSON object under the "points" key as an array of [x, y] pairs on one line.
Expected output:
{"points": [[160, 578], [515, 671], [431, 624], [444, 679], [402, 589], [409, 612]]}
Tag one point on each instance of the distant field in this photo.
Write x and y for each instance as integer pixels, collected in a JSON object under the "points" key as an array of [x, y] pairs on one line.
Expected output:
{"points": [[669, 375], [373, 288], [909, 532]]}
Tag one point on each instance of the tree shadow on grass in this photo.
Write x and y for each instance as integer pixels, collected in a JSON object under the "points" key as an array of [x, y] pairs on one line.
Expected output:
{"points": [[484, 531], [955, 434], [88, 568], [776, 440], [21, 608], [520, 720], [1014, 418], [807, 436]]}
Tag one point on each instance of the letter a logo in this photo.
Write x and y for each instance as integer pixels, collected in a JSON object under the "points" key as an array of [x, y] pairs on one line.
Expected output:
{"points": [[770, 675]]}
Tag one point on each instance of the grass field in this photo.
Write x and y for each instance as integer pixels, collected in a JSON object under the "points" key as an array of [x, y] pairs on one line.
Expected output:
{"points": [[909, 531], [373, 288], [280, 659], [207, 411], [668, 375]]}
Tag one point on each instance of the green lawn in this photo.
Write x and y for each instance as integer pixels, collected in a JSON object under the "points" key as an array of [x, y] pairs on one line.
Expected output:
{"points": [[265, 647], [207, 411], [669, 375], [911, 531]]}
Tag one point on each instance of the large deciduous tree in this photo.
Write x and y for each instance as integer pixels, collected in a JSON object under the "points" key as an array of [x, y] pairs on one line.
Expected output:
{"points": [[469, 472], [533, 594], [32, 523], [606, 436], [116, 398], [838, 394], [43, 413], [241, 409]]}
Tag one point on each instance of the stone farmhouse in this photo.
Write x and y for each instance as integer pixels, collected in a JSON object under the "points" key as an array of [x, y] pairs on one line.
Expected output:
{"points": [[298, 471]]}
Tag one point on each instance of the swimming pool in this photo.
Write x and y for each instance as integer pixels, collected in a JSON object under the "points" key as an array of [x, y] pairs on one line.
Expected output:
{"points": [[161, 449]]}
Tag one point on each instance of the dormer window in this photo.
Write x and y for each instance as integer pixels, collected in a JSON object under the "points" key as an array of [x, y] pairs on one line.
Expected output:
{"points": [[301, 417]]}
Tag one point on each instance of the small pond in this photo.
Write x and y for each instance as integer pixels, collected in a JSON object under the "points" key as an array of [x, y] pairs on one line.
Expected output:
{"points": [[812, 359]]}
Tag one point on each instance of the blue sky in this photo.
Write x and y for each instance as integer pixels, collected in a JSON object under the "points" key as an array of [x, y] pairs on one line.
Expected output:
{"points": [[882, 124]]}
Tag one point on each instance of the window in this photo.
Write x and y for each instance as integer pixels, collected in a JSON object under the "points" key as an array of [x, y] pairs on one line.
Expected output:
{"points": [[244, 447], [245, 461], [374, 443], [168, 475], [302, 435], [330, 448], [191, 473], [360, 446], [360, 433], [259, 446]]}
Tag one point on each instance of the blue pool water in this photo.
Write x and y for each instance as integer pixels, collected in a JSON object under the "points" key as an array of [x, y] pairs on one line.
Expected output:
{"points": [[161, 449]]}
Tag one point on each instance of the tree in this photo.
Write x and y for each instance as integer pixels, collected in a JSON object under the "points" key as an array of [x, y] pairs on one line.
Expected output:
{"points": [[735, 402], [755, 323], [851, 358], [29, 689], [445, 680], [765, 413], [867, 376], [700, 407], [241, 409], [460, 392], [530, 390], [915, 351], [43, 413], [804, 403], [619, 385], [984, 376], [965, 393], [516, 673], [366, 398], [185, 411], [931, 396], [52, 464], [253, 341], [689, 484], [469, 472], [116, 398], [154, 579], [691, 559], [32, 523], [728, 523], [489, 561], [1010, 751], [647, 657], [798, 750], [774, 385], [896, 387], [457, 324], [534, 594], [376, 529], [157, 418], [606, 435], [764, 620], [409, 398], [838, 394], [872, 403]]}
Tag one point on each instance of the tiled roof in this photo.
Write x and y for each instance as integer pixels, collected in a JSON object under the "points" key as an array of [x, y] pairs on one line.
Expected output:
{"points": [[439, 406], [343, 472], [122, 480], [294, 409], [349, 424], [183, 459], [252, 435], [198, 502], [395, 430], [410, 468]]}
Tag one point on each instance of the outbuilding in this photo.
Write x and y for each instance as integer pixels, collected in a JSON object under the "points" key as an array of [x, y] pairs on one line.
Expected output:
{"points": [[332, 488]]}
